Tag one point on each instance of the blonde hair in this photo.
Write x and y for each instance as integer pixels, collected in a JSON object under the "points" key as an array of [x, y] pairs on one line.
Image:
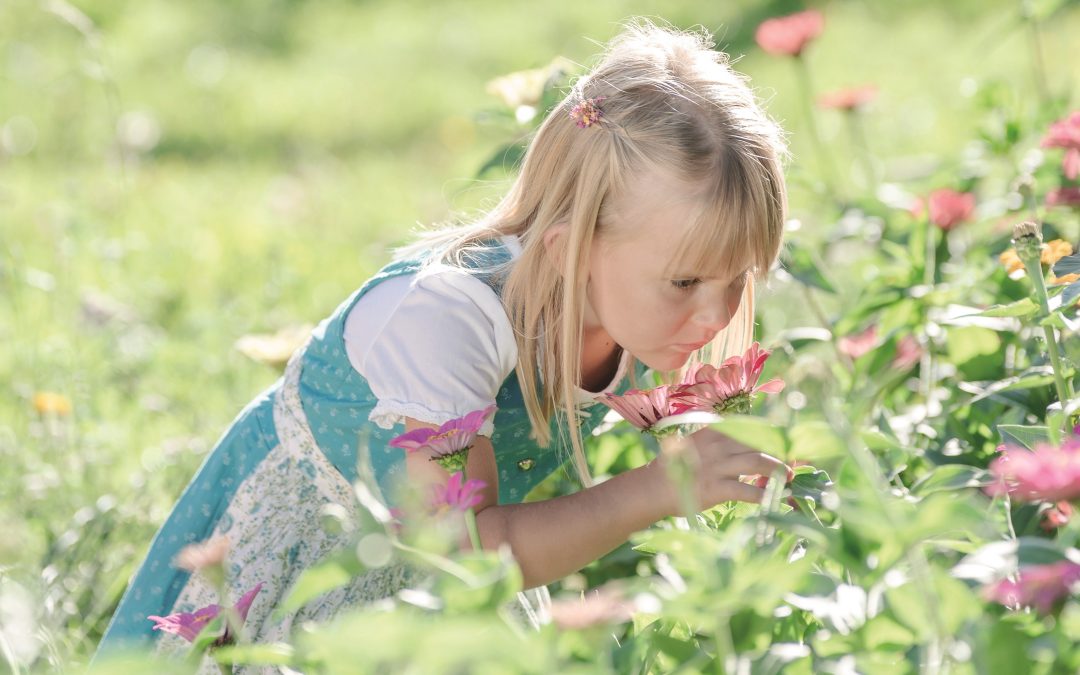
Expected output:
{"points": [[670, 101]]}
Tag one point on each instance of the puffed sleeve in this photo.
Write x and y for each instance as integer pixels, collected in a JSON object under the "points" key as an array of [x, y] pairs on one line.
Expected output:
{"points": [[432, 346]]}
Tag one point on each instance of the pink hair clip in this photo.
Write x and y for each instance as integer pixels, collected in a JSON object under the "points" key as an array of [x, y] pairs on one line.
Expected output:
{"points": [[588, 112]]}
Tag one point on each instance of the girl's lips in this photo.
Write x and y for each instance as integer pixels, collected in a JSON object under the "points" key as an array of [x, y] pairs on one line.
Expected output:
{"points": [[693, 347]]}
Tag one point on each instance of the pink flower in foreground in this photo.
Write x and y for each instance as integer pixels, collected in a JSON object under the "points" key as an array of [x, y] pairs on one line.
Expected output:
{"points": [[188, 625], [458, 494], [1056, 516], [450, 443], [1047, 473], [848, 99], [949, 208], [600, 607], [908, 353], [854, 346], [1066, 196], [641, 408], [1038, 586], [1065, 133], [789, 35], [726, 389]]}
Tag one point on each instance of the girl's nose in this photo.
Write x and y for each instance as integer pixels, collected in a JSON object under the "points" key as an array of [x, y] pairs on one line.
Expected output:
{"points": [[714, 313]]}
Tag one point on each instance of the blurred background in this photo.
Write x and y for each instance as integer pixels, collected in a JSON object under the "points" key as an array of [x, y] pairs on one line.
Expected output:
{"points": [[186, 186]]}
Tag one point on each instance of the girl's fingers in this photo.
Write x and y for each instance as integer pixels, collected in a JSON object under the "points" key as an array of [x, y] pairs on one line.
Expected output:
{"points": [[733, 490], [749, 464]]}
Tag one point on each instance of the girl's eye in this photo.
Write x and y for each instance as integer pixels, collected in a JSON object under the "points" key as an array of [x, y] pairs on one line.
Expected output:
{"points": [[685, 284]]}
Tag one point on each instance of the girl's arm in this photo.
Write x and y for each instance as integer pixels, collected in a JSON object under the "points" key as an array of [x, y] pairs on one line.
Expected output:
{"points": [[556, 537]]}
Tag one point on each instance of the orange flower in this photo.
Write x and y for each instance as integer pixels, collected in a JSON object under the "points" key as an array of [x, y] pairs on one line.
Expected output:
{"points": [[1011, 261], [1067, 279], [848, 99], [49, 402], [1054, 251]]}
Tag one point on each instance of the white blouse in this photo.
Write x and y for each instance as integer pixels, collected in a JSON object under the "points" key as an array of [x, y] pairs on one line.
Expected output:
{"points": [[436, 345]]}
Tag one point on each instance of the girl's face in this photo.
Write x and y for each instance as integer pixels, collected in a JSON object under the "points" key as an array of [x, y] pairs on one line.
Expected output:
{"points": [[638, 294]]}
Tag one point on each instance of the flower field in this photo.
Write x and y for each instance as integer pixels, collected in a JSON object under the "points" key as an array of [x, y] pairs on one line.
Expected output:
{"points": [[163, 251]]}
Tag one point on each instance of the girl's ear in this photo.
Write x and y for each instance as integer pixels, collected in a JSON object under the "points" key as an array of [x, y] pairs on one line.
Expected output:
{"points": [[555, 245]]}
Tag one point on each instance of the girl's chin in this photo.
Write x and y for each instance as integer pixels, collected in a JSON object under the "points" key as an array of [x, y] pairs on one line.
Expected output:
{"points": [[664, 362]]}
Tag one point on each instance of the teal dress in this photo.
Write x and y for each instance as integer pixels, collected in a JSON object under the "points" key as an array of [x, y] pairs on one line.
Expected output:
{"points": [[289, 453]]}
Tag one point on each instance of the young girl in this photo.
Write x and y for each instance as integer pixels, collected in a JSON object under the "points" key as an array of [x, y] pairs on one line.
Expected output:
{"points": [[648, 202]]}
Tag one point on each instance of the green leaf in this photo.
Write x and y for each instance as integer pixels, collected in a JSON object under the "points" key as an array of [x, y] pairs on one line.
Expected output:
{"points": [[802, 265], [810, 483], [1027, 436], [754, 432], [951, 477], [322, 578], [814, 441], [1070, 294], [1020, 308], [999, 559]]}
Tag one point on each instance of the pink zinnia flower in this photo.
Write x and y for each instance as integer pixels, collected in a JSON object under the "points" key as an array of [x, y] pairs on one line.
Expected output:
{"points": [[854, 346], [1038, 586], [641, 408], [1065, 133], [908, 353], [1066, 196], [450, 443], [728, 388], [949, 208], [848, 99], [600, 607], [188, 625], [1056, 516], [789, 35], [1047, 473], [458, 494]]}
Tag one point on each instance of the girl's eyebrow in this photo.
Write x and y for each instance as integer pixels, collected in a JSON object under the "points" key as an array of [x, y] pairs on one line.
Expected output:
{"points": [[691, 275]]}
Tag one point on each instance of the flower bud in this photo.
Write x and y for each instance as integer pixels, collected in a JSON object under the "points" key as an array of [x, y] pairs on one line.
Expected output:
{"points": [[1027, 237]]}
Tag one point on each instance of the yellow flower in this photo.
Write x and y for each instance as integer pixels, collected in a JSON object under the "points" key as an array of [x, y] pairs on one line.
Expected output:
{"points": [[525, 87], [1067, 279], [274, 349], [1055, 250], [46, 402], [1011, 261]]}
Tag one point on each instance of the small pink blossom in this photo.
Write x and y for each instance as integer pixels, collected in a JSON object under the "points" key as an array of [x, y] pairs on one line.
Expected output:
{"points": [[209, 553], [789, 35], [728, 388], [1056, 516], [188, 625], [949, 208], [1066, 196], [848, 99], [449, 445], [1047, 473], [1038, 586], [854, 346], [908, 353], [1065, 134], [600, 607], [458, 494], [641, 408]]}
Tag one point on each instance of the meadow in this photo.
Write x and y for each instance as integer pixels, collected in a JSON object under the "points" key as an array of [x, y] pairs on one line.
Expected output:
{"points": [[186, 187]]}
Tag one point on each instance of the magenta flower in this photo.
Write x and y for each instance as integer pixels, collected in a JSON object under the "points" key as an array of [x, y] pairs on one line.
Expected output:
{"points": [[1047, 473], [1065, 133], [726, 389], [449, 445], [789, 35], [949, 208], [908, 353], [848, 100], [854, 346], [1038, 586], [643, 409], [1066, 196], [188, 625], [458, 494]]}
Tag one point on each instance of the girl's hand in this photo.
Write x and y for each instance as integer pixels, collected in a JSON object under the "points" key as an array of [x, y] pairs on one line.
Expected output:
{"points": [[715, 463]]}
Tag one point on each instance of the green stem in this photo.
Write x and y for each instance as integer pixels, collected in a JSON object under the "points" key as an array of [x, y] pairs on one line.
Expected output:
{"points": [[474, 533], [1034, 271], [862, 149], [807, 95]]}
